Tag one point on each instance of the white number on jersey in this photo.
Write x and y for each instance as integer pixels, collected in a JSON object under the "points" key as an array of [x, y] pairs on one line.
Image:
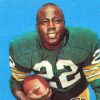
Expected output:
{"points": [[64, 82], [63, 76], [96, 57]]}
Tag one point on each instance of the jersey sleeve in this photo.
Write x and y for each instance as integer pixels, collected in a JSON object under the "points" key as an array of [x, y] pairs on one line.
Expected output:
{"points": [[18, 73], [92, 72]]}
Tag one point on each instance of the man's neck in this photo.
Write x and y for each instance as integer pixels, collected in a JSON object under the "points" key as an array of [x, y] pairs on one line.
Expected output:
{"points": [[52, 47]]}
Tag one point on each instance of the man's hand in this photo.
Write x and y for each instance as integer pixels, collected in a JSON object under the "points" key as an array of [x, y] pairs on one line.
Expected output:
{"points": [[32, 96]]}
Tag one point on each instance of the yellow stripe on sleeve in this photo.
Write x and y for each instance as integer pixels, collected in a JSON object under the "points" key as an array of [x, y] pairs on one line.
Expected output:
{"points": [[92, 72], [19, 75]]}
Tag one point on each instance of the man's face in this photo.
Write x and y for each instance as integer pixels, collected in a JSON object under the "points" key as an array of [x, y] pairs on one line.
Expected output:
{"points": [[50, 25]]}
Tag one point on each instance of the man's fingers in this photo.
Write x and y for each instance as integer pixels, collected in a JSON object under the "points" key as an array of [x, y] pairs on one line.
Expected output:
{"points": [[46, 95], [50, 93], [47, 91], [33, 90], [35, 96]]}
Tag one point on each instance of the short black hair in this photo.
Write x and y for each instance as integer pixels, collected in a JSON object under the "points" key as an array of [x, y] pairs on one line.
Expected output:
{"points": [[47, 5]]}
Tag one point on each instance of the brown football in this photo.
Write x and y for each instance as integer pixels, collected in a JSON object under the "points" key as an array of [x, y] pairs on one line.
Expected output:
{"points": [[35, 81]]}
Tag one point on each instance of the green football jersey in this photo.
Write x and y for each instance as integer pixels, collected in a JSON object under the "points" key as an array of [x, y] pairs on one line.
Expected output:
{"points": [[62, 68]]}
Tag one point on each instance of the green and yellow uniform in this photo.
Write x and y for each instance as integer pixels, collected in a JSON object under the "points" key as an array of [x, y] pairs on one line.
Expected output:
{"points": [[67, 69]]}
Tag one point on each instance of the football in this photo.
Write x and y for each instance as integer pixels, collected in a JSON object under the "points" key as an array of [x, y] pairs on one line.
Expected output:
{"points": [[34, 81]]}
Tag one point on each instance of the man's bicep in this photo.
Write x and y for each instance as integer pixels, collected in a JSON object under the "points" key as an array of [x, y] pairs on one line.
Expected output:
{"points": [[18, 74], [92, 72]]}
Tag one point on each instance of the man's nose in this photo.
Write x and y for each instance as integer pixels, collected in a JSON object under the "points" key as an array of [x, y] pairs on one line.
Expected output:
{"points": [[51, 24]]}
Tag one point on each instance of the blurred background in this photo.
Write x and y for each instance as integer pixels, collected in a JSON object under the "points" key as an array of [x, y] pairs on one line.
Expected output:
{"points": [[18, 16]]}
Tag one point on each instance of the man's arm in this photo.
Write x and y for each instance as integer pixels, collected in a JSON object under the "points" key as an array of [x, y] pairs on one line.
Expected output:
{"points": [[16, 80], [16, 89], [92, 73], [17, 76]]}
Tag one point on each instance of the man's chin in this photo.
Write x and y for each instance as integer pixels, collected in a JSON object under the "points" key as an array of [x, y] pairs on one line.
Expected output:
{"points": [[52, 43]]}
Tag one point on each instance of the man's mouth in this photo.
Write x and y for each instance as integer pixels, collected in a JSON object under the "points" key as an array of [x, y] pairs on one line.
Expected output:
{"points": [[52, 35]]}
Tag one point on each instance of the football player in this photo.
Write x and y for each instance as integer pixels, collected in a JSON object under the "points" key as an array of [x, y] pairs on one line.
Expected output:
{"points": [[68, 58]]}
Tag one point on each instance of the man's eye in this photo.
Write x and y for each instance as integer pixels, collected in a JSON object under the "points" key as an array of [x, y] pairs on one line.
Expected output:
{"points": [[44, 22], [57, 21]]}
